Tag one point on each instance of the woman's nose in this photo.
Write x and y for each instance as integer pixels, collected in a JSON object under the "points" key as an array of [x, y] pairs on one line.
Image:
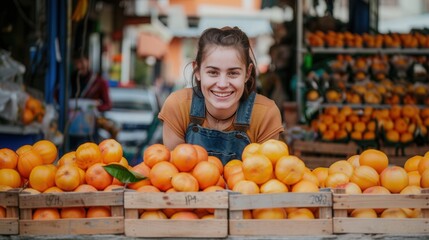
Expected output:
{"points": [[223, 81]]}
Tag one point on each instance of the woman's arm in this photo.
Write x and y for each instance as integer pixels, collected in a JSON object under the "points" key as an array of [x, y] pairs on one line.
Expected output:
{"points": [[170, 138]]}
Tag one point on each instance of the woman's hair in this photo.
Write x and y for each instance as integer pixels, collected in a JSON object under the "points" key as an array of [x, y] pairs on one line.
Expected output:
{"points": [[227, 37]]}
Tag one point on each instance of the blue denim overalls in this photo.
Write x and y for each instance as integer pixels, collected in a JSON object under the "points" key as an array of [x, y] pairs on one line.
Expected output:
{"points": [[224, 145]]}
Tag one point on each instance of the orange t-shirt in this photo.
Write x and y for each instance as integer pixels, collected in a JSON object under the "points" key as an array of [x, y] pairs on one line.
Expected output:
{"points": [[264, 124]]}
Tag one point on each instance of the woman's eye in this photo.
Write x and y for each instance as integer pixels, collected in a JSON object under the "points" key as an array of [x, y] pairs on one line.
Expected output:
{"points": [[212, 73], [234, 74]]}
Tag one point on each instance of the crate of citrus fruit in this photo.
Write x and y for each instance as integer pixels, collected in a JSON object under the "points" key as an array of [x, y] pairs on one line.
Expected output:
{"points": [[276, 194], [9, 211], [73, 195], [183, 196], [383, 198]]}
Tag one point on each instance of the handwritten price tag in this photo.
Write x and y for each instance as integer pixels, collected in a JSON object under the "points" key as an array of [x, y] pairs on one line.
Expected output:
{"points": [[190, 199], [319, 199], [53, 200]]}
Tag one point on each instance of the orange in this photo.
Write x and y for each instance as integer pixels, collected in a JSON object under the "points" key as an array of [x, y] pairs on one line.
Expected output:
{"points": [[43, 177], [111, 151], [88, 154], [375, 159], [234, 179], [395, 112], [310, 176], [67, 177], [206, 173], [269, 213], [98, 212], [23, 149], [246, 187], [73, 212], [335, 179], [424, 180], [98, 177], [8, 158], [46, 214], [184, 215], [27, 161], [161, 173], [144, 170], [400, 125], [411, 190], [354, 160], [406, 137], [341, 166], [250, 149], [31, 190], [394, 178], [68, 158], [153, 214], [274, 149], [365, 177], [202, 153], [376, 190], [273, 186], [47, 150], [412, 163], [82, 179], [364, 213], [423, 165], [53, 190], [124, 162], [289, 169], [351, 188], [85, 188], [305, 186], [321, 174], [301, 213], [184, 156], [27, 116], [232, 167], [356, 135], [257, 168], [414, 178], [359, 126], [393, 213], [10, 177], [112, 187], [216, 161], [392, 136], [155, 153], [184, 182], [148, 188]]}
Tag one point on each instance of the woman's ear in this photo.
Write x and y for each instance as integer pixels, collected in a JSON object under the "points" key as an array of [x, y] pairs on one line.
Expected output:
{"points": [[249, 72], [195, 70]]}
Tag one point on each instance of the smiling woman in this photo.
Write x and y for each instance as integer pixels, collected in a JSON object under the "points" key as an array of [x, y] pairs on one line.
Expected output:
{"points": [[222, 112]]}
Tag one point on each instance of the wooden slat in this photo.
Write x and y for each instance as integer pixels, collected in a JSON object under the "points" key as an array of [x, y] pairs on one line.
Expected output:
{"points": [[352, 201], [9, 226], [275, 200], [380, 225], [176, 200], [111, 225], [10, 201], [255, 227], [71, 199], [324, 147], [176, 228]]}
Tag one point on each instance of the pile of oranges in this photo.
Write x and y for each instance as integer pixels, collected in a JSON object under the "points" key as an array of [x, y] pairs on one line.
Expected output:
{"points": [[34, 168], [398, 123]]}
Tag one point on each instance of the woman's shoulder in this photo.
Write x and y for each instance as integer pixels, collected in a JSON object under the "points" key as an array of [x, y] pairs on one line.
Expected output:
{"points": [[263, 100], [182, 94]]}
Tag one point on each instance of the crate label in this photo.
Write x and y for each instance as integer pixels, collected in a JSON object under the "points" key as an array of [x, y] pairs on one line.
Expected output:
{"points": [[190, 199], [53, 200], [319, 199]]}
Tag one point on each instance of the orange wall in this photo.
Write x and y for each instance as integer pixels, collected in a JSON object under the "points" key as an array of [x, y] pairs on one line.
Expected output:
{"points": [[173, 60], [191, 6]]}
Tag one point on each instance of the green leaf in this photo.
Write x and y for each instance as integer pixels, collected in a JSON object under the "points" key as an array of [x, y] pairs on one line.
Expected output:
{"points": [[123, 174]]}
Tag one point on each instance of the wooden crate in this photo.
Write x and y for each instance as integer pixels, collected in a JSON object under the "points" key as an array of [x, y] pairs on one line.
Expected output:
{"points": [[109, 225], [344, 224], [204, 228], [10, 201], [287, 227], [322, 154]]}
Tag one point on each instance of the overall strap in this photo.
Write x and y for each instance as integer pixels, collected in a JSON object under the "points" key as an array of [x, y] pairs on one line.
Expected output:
{"points": [[244, 113], [198, 107]]}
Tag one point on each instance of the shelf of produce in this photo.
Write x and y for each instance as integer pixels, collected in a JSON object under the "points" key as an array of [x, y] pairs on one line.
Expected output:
{"points": [[345, 202], [322, 154], [238, 226], [216, 227], [410, 51], [76, 226], [9, 200]]}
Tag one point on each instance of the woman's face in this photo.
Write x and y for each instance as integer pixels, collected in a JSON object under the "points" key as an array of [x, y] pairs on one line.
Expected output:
{"points": [[223, 75]]}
